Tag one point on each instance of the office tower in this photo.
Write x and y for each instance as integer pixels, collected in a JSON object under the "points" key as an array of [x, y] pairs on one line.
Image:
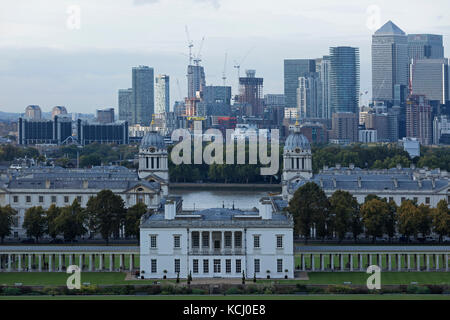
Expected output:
{"points": [[344, 79], [162, 94], [42, 131], [380, 123], [294, 69], [59, 111], [195, 80], [33, 112], [425, 46], [309, 96], [325, 82], [429, 77], [250, 93], [345, 127], [441, 130], [126, 105], [276, 100], [216, 101], [400, 95], [389, 61], [143, 104], [418, 119], [105, 115], [107, 133]]}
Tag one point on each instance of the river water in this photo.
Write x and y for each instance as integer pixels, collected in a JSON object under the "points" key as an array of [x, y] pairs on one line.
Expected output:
{"points": [[215, 198]]}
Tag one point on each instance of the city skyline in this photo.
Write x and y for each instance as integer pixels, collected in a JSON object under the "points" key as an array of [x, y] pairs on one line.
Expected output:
{"points": [[84, 68]]}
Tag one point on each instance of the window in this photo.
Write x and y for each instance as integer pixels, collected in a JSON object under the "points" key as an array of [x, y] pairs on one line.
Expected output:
{"points": [[53, 199], [257, 266], [228, 265], [427, 200], [205, 239], [28, 199], [177, 265], [238, 239], [176, 242], [256, 241], [79, 199], [195, 239], [153, 241], [195, 265], [16, 199], [391, 199], [41, 199], [416, 199], [66, 199], [279, 265], [216, 265], [154, 269], [279, 241], [228, 239], [205, 266], [238, 266]]}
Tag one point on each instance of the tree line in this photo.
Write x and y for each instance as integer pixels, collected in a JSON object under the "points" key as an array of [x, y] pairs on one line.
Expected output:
{"points": [[341, 214], [105, 214]]}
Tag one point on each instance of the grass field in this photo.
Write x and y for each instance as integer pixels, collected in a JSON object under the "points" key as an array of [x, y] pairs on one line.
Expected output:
{"points": [[118, 278], [239, 297]]}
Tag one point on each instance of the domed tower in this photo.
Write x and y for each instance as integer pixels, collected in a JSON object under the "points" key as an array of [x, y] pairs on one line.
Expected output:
{"points": [[153, 160], [297, 159]]}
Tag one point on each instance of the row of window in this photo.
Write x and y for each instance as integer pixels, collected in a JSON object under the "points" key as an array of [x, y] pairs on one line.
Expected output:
{"points": [[41, 199], [217, 266], [152, 163], [257, 241]]}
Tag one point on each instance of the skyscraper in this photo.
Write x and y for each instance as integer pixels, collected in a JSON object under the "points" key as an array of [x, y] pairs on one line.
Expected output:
{"points": [[325, 82], [294, 69], [195, 80], [344, 79], [389, 61], [418, 119], [126, 105], [105, 115], [162, 94], [251, 93], [143, 104], [33, 112], [429, 77], [425, 46], [309, 96]]}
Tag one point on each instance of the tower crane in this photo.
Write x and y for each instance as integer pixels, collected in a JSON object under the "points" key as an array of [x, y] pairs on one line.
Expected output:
{"points": [[237, 65], [224, 76], [197, 58], [190, 44]]}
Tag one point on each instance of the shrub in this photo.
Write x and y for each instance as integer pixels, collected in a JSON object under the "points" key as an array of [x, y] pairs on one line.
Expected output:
{"points": [[339, 289], [233, 290], [435, 289], [199, 291], [413, 289], [315, 290], [8, 291]]}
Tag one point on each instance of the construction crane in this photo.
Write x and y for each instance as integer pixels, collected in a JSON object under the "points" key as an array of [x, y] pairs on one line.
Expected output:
{"points": [[224, 76], [190, 45], [237, 65], [197, 58]]}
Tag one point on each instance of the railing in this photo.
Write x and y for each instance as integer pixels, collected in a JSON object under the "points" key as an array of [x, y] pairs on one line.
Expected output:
{"points": [[216, 252]]}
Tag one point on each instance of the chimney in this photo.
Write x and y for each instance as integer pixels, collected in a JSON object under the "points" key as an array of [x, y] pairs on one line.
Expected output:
{"points": [[265, 209], [47, 184], [170, 210], [433, 183], [351, 166], [419, 182], [338, 166], [395, 183], [359, 183], [85, 184], [334, 183]]}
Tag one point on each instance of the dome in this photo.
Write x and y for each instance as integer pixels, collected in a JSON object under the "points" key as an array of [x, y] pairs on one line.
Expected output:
{"points": [[153, 139], [297, 140]]}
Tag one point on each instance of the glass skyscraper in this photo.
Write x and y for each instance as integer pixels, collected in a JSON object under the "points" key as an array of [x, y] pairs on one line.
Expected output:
{"points": [[425, 46], [162, 94], [293, 70], [143, 104], [195, 80], [344, 79]]}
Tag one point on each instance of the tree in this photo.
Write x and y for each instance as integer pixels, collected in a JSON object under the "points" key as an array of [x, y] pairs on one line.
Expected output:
{"points": [[356, 224], [35, 222], [407, 218], [374, 213], [424, 219], [133, 219], [71, 221], [344, 207], [308, 203], [441, 219], [51, 214], [391, 220], [7, 215], [105, 214]]}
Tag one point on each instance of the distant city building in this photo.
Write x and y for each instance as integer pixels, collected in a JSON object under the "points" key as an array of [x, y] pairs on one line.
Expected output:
{"points": [[138, 130], [389, 61], [294, 69], [418, 119], [59, 111], [309, 96], [42, 131], [195, 80], [105, 115], [162, 94], [368, 136], [430, 77], [291, 113], [33, 112], [325, 91], [143, 104], [345, 127], [425, 46], [104, 133], [125, 103], [344, 79], [441, 130], [278, 100], [315, 132], [411, 145], [216, 101], [251, 93]]}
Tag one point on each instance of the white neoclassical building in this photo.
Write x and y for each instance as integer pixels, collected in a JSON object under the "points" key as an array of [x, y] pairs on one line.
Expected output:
{"points": [[225, 243]]}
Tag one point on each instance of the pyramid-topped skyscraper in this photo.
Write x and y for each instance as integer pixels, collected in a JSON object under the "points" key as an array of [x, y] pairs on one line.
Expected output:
{"points": [[389, 62]]}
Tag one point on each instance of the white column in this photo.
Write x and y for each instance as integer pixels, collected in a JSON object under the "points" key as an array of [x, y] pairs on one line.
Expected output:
{"points": [[418, 262], [210, 234], [121, 261], [436, 258], [322, 262], [361, 268], [342, 262], [428, 262], [50, 262], [399, 262], [303, 262], [351, 262], [19, 263], [446, 262], [9, 262], [101, 262], [409, 262], [332, 261], [80, 263], [390, 262], [232, 240], [30, 264], [222, 242], [313, 262], [40, 262], [91, 262], [370, 260], [60, 262]]}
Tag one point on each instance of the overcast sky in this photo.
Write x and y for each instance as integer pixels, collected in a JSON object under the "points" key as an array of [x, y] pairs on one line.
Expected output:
{"points": [[46, 59]]}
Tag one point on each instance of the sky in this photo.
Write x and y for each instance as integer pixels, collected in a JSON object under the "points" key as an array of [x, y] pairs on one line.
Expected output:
{"points": [[78, 53]]}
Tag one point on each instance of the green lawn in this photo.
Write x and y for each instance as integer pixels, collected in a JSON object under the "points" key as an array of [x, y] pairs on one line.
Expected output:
{"points": [[117, 278]]}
